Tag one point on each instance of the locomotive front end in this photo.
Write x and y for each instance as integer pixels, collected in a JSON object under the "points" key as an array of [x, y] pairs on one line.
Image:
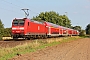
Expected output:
{"points": [[18, 28]]}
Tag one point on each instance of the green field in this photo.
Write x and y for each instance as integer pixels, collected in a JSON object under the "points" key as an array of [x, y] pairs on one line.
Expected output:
{"points": [[7, 53]]}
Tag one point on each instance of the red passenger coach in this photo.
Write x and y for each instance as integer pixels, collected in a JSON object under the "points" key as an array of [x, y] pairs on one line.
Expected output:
{"points": [[70, 31], [75, 32], [52, 29], [65, 31]]}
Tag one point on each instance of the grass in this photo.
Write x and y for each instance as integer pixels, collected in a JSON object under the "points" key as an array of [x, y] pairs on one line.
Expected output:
{"points": [[7, 53], [86, 36]]}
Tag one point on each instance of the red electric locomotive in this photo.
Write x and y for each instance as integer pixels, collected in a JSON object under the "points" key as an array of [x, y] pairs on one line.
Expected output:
{"points": [[26, 28]]}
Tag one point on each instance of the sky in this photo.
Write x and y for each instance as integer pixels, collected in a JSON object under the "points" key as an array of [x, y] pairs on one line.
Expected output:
{"points": [[78, 11]]}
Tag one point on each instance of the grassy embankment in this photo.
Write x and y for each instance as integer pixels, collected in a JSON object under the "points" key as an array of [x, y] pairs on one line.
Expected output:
{"points": [[7, 53]]}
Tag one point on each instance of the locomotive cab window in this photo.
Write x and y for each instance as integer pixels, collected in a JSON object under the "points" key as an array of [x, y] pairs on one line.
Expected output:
{"points": [[18, 22], [15, 22], [21, 22]]}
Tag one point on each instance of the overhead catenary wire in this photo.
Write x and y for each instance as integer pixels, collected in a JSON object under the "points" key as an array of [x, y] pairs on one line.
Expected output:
{"points": [[17, 6], [10, 10], [11, 4], [29, 6]]}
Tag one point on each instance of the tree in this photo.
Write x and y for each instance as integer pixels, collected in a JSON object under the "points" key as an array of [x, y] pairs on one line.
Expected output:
{"points": [[66, 21], [53, 17], [1, 29], [7, 32], [82, 33], [88, 29], [77, 28]]}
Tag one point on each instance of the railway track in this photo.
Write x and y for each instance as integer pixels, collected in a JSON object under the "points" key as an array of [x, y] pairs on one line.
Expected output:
{"points": [[12, 43]]}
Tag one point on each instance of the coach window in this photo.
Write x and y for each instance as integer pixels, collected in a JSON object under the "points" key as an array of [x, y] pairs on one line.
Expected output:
{"points": [[28, 23]]}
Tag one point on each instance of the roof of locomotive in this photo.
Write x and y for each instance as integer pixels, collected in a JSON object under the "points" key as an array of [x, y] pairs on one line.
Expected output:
{"points": [[39, 22]]}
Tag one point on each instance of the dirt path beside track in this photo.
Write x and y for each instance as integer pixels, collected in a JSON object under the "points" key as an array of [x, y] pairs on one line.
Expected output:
{"points": [[75, 50]]}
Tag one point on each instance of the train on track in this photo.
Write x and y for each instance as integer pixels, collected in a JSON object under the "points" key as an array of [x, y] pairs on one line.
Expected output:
{"points": [[26, 28]]}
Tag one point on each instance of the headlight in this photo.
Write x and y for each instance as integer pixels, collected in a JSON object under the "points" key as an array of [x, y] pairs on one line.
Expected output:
{"points": [[13, 31], [14, 28], [22, 28]]}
